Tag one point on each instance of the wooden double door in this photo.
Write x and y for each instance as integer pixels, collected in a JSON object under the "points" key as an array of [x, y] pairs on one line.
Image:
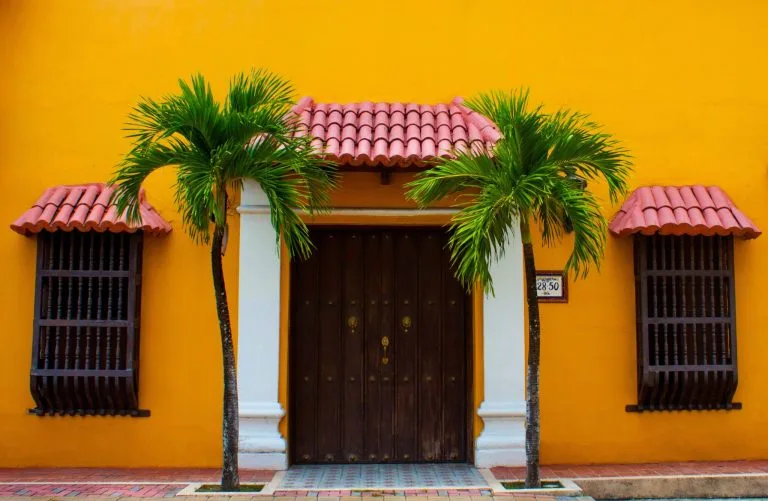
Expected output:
{"points": [[380, 351]]}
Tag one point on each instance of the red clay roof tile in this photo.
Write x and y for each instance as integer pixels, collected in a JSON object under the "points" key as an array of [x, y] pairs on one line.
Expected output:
{"points": [[682, 210], [392, 134], [85, 207]]}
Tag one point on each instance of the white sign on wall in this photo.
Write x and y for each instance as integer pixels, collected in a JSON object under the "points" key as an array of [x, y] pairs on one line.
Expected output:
{"points": [[552, 286]]}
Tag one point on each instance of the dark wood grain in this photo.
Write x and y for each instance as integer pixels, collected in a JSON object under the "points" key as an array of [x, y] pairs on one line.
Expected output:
{"points": [[303, 349], [430, 347], [455, 364], [329, 428], [407, 424], [352, 412], [384, 418], [405, 403]]}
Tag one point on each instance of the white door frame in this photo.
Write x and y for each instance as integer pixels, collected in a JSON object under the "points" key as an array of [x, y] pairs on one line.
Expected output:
{"points": [[502, 441]]}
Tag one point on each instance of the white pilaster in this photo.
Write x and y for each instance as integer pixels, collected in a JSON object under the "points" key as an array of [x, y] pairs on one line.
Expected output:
{"points": [[502, 442], [258, 347]]}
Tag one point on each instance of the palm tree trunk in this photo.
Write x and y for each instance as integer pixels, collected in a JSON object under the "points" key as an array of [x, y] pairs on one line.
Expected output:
{"points": [[533, 423], [230, 480]]}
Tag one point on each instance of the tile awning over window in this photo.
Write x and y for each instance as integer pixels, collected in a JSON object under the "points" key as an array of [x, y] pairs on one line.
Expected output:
{"points": [[392, 134], [85, 207], [682, 210]]}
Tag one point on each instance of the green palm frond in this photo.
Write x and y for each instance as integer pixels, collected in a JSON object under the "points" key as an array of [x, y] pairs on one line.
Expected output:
{"points": [[214, 148], [528, 179], [463, 173], [257, 89], [579, 148], [480, 232]]}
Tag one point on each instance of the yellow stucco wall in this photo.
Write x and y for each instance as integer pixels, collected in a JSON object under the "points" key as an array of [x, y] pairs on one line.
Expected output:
{"points": [[682, 83]]}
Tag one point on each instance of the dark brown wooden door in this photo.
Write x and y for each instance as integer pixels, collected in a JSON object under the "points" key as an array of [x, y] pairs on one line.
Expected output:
{"points": [[379, 350]]}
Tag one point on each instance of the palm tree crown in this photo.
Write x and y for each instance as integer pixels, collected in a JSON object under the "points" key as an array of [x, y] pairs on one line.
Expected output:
{"points": [[216, 146], [533, 174]]}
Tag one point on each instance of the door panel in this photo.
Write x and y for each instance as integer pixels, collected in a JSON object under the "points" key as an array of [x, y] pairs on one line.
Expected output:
{"points": [[329, 347], [383, 419], [304, 361], [405, 336], [430, 346], [379, 350], [455, 367], [352, 409]]}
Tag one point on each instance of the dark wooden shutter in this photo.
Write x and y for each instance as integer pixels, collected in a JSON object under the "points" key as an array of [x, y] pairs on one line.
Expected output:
{"points": [[686, 332], [86, 330]]}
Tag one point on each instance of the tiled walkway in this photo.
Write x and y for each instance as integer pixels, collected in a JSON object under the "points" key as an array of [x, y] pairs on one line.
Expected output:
{"points": [[104, 483], [383, 476]]}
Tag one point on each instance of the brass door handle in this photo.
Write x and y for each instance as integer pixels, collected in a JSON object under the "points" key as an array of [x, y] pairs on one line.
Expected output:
{"points": [[385, 344], [406, 322]]}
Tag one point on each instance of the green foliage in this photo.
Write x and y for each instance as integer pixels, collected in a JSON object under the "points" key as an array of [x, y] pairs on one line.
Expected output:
{"points": [[215, 147], [532, 175]]}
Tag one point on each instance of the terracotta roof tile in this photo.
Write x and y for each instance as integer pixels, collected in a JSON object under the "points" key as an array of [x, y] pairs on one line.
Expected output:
{"points": [[392, 134], [681, 210], [85, 207]]}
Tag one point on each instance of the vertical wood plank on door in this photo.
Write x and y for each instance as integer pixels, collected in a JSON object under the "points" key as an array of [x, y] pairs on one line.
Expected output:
{"points": [[352, 415], [430, 346], [329, 424], [405, 352], [370, 333], [387, 327], [455, 363], [304, 369]]}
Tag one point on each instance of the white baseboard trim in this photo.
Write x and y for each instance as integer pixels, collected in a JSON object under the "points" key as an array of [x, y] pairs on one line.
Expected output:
{"points": [[263, 460]]}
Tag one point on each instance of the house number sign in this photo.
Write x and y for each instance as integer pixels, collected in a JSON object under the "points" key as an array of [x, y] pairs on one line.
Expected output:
{"points": [[552, 286]]}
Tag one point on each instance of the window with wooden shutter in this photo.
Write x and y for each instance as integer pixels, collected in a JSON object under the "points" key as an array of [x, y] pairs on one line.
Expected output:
{"points": [[85, 358], [686, 335]]}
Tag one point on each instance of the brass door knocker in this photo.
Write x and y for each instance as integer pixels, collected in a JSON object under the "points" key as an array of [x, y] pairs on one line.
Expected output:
{"points": [[352, 323]]}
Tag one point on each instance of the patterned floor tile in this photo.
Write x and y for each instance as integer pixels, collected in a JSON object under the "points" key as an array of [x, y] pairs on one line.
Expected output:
{"points": [[381, 476]]}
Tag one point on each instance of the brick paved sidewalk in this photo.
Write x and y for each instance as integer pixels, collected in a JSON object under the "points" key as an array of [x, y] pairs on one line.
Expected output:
{"points": [[115, 483], [511, 497], [112, 484], [637, 470], [141, 475], [110, 491]]}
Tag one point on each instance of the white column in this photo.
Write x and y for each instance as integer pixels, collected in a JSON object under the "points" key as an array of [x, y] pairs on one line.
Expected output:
{"points": [[258, 347], [502, 442]]}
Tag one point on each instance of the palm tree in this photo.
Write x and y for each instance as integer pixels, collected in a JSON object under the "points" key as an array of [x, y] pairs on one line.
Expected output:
{"points": [[533, 178], [214, 148]]}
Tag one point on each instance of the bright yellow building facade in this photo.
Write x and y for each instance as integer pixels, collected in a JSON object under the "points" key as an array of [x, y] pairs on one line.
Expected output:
{"points": [[682, 86]]}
